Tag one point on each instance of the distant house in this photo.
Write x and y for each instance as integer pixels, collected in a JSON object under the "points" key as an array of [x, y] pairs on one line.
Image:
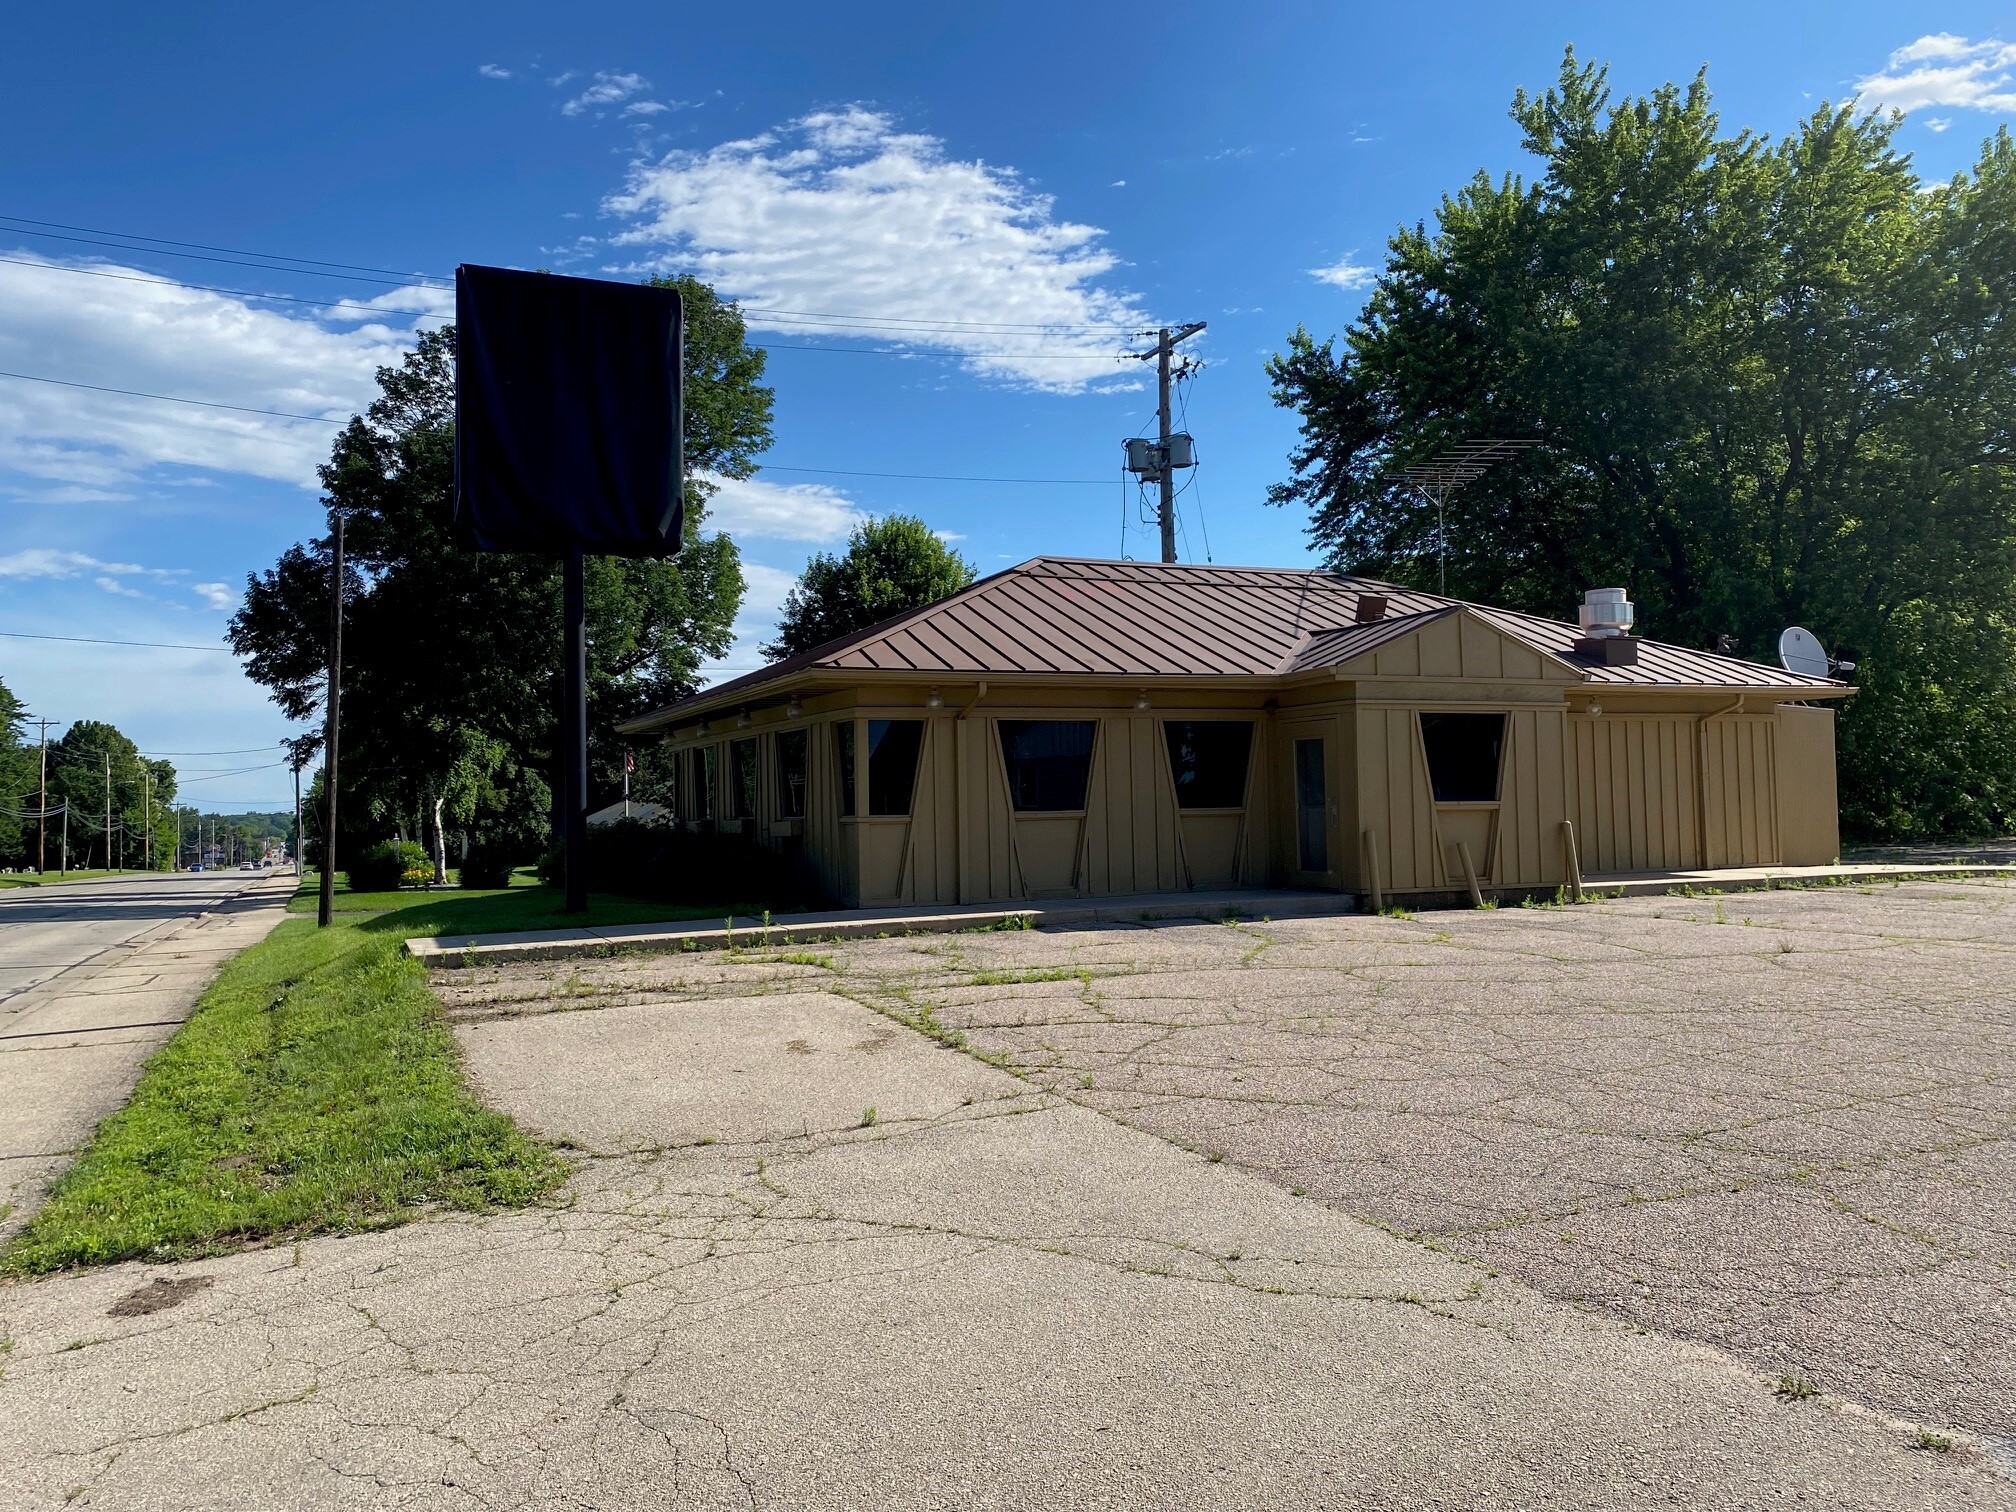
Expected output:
{"points": [[1073, 727]]}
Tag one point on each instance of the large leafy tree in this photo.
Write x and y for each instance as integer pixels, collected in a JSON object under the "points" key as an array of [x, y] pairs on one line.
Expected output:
{"points": [[451, 657], [891, 565], [1772, 382], [19, 783], [94, 766]]}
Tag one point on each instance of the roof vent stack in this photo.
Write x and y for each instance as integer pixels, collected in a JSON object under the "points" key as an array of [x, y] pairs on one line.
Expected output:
{"points": [[1371, 608], [1607, 616]]}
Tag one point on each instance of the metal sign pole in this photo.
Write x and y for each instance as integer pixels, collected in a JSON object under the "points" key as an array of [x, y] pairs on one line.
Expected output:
{"points": [[574, 736]]}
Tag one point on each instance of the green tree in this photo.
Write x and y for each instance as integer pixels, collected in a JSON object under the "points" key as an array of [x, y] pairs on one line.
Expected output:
{"points": [[94, 766], [451, 657], [19, 783], [1771, 381], [891, 566]]}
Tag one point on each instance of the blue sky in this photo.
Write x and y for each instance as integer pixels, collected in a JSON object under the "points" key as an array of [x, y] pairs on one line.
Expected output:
{"points": [[990, 189]]}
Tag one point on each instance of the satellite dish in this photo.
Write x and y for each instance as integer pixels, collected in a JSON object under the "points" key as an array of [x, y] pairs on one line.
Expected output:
{"points": [[1799, 650]]}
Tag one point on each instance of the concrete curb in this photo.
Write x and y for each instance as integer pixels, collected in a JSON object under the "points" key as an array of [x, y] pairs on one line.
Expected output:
{"points": [[855, 923]]}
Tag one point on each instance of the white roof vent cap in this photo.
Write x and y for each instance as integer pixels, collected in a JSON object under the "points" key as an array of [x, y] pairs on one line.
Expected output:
{"points": [[1607, 612]]}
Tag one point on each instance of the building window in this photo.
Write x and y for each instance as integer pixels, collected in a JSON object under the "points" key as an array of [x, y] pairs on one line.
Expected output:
{"points": [[1207, 760], [1049, 763], [893, 745], [791, 774], [844, 734], [741, 793], [705, 760], [1312, 809], [1463, 755]]}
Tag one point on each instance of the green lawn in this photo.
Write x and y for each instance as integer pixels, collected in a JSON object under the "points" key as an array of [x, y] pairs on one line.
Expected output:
{"points": [[314, 1090], [526, 904]]}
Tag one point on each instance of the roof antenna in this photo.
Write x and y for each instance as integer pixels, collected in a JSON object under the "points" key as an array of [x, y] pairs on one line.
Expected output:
{"points": [[1445, 472]]}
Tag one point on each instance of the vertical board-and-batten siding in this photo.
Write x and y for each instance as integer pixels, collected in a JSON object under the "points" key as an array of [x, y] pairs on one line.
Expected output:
{"points": [[1532, 801], [1132, 841], [1633, 785], [1809, 816], [1742, 782]]}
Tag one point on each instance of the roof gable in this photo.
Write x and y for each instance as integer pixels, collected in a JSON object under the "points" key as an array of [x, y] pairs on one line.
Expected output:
{"points": [[1454, 643]]}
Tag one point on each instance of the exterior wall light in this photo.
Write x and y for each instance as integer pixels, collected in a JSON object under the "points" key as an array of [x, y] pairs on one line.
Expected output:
{"points": [[701, 728], [744, 720], [1141, 699], [793, 709], [936, 700]]}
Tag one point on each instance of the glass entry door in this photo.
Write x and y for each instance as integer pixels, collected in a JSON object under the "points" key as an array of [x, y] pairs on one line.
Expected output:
{"points": [[1312, 808]]}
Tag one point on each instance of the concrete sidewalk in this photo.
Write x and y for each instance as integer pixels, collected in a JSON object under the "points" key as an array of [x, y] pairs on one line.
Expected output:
{"points": [[1135, 908], [74, 1041]]}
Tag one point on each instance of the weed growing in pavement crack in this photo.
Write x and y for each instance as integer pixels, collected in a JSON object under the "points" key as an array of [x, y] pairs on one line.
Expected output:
{"points": [[1795, 1388], [869, 1116], [1938, 1443]]}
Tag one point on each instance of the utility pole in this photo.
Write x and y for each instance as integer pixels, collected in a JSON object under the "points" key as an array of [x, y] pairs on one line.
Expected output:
{"points": [[108, 812], [42, 807], [1164, 348], [325, 909], [66, 837], [146, 817], [297, 820]]}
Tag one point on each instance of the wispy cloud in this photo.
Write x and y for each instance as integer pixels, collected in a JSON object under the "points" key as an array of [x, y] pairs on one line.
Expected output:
{"points": [[758, 508], [492, 71], [141, 331], [219, 596], [1346, 274], [606, 90], [840, 211], [48, 562], [1943, 70]]}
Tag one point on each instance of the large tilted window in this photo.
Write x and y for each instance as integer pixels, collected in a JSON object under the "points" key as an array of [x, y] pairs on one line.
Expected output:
{"points": [[791, 746], [704, 762], [1207, 761], [893, 745], [1463, 755], [1049, 762], [742, 779]]}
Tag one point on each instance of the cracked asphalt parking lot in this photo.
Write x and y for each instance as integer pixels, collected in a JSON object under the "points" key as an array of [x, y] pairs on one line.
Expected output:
{"points": [[1654, 1154]]}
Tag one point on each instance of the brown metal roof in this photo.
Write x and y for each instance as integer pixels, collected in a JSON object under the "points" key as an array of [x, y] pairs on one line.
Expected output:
{"points": [[1069, 615]]}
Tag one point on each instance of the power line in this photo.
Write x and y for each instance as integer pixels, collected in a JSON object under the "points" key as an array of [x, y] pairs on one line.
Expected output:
{"points": [[175, 283], [841, 472], [94, 640], [443, 280], [99, 388], [243, 751]]}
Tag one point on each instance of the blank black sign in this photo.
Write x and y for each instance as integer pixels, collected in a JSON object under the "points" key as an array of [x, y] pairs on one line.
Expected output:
{"points": [[567, 414]]}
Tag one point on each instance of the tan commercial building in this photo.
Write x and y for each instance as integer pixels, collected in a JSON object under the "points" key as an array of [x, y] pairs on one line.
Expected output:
{"points": [[1080, 728]]}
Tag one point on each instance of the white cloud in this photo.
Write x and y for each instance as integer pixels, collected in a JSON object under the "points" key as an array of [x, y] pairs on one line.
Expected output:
{"points": [[219, 596], [113, 585], [1937, 123], [45, 562], [1346, 274], [840, 211], [1117, 184], [645, 107], [608, 89], [764, 589], [492, 71], [1944, 70], [948, 536], [145, 332], [756, 507]]}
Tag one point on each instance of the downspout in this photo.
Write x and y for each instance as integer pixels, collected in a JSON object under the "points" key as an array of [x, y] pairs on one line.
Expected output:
{"points": [[1701, 773]]}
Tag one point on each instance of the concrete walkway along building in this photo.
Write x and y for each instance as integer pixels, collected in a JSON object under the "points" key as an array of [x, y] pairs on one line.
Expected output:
{"points": [[1072, 728]]}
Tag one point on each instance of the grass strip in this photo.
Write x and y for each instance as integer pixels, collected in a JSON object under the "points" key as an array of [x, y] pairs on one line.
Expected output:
{"points": [[315, 1089]]}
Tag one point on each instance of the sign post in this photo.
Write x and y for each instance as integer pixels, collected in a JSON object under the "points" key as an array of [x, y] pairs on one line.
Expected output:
{"points": [[569, 441]]}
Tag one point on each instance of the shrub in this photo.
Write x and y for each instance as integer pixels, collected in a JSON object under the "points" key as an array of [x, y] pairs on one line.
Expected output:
{"points": [[388, 865], [490, 863], [673, 865]]}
